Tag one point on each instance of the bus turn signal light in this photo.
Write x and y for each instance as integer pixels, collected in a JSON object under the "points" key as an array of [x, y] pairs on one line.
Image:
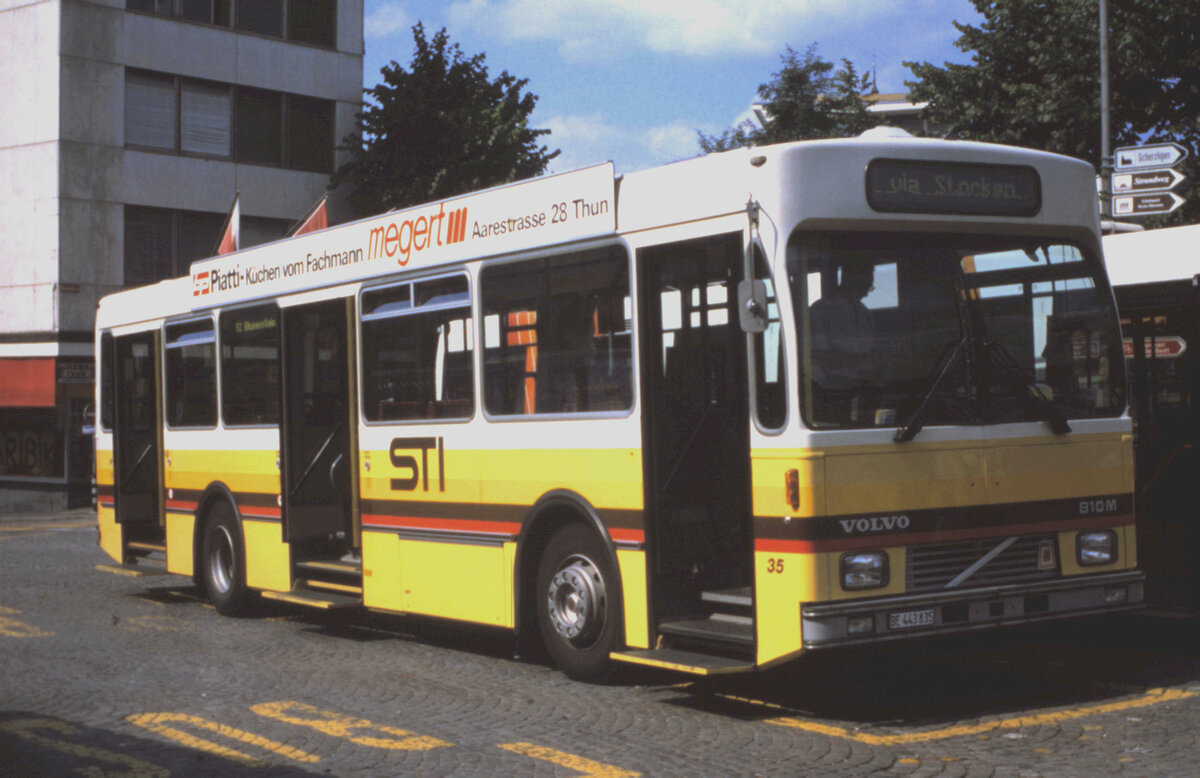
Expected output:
{"points": [[792, 482]]}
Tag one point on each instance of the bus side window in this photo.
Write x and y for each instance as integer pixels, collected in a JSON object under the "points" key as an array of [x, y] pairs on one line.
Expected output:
{"points": [[250, 366], [417, 347], [557, 335], [191, 369], [770, 390]]}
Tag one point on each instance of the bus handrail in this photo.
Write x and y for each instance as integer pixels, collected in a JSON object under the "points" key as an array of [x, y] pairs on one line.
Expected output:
{"points": [[1167, 461], [313, 462]]}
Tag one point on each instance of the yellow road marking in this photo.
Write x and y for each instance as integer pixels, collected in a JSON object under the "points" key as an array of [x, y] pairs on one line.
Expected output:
{"points": [[570, 761], [342, 726], [19, 629], [25, 729], [156, 722], [1153, 697]]}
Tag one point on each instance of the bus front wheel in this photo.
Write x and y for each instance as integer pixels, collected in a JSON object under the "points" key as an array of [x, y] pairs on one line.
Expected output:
{"points": [[577, 603], [223, 562]]}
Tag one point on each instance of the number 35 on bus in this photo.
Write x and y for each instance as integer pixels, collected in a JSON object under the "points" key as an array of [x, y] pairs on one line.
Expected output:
{"points": [[706, 417]]}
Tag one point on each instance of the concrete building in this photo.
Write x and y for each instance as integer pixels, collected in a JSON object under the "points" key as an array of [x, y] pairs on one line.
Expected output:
{"points": [[128, 127]]}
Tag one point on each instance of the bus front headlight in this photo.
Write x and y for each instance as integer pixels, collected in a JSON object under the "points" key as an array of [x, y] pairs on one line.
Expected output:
{"points": [[1096, 548], [864, 570]]}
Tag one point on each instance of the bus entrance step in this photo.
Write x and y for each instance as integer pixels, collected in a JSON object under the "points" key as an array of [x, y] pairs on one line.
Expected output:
{"points": [[334, 567], [322, 600], [133, 571], [684, 661], [147, 548], [733, 599], [718, 628]]}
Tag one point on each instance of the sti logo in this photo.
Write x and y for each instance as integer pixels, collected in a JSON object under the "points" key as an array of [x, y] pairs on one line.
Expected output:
{"points": [[201, 283]]}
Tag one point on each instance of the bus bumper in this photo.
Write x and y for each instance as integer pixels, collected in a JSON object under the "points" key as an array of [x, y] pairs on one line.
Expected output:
{"points": [[896, 618]]}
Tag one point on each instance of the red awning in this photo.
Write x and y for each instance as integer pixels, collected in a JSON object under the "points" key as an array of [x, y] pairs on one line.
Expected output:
{"points": [[27, 383]]}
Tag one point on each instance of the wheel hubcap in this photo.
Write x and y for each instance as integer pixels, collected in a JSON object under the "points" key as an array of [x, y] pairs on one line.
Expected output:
{"points": [[221, 564], [577, 601]]}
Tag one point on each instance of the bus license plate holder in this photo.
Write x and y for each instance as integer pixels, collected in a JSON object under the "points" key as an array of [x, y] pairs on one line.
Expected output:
{"points": [[912, 619]]}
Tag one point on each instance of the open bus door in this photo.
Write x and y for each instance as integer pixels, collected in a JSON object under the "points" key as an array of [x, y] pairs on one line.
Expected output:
{"points": [[317, 434], [137, 433], [696, 442], [1162, 348]]}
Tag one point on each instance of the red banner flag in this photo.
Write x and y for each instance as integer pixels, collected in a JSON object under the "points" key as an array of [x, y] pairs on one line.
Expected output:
{"points": [[230, 239], [317, 219]]}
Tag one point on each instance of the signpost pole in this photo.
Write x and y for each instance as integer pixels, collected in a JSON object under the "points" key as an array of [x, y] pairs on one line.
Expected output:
{"points": [[1106, 160]]}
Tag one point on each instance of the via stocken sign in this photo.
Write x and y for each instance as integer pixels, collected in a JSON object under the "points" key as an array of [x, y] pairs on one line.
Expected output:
{"points": [[538, 212]]}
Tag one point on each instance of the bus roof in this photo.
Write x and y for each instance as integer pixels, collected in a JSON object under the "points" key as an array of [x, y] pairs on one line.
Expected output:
{"points": [[1153, 256], [820, 180]]}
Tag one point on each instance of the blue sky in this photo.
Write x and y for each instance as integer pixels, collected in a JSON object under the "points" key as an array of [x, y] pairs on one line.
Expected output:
{"points": [[632, 81]]}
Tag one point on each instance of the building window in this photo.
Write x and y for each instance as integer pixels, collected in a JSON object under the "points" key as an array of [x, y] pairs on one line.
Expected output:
{"points": [[312, 21], [204, 118], [150, 110], [303, 21], [264, 17], [310, 139], [258, 126], [177, 114], [162, 243]]}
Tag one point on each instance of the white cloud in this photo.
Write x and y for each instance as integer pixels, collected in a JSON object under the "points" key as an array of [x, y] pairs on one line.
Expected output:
{"points": [[591, 139], [697, 28], [386, 19]]}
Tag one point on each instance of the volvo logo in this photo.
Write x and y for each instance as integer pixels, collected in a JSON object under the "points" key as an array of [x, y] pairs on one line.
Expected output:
{"points": [[874, 524]]}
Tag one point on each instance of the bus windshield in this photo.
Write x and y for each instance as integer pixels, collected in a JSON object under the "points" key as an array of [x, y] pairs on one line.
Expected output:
{"points": [[908, 330]]}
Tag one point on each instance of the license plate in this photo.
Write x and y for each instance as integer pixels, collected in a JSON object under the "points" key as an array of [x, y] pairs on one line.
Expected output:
{"points": [[910, 619]]}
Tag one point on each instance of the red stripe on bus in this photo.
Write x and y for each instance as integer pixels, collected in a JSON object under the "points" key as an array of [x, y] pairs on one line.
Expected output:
{"points": [[455, 525]]}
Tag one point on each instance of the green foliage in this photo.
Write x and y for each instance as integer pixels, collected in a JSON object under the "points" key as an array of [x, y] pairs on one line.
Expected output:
{"points": [[439, 129], [806, 99], [1034, 78]]}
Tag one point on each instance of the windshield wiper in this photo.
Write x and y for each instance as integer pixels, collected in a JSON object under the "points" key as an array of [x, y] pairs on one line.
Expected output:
{"points": [[999, 357], [917, 420]]}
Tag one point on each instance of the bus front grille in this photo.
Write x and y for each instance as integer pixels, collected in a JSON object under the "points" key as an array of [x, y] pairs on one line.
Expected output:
{"points": [[933, 566]]}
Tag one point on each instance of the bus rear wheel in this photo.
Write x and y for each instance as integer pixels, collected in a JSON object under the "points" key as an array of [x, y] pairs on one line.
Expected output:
{"points": [[577, 600], [223, 562]]}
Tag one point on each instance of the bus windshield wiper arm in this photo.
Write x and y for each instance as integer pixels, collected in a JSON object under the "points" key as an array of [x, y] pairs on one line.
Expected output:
{"points": [[917, 420], [998, 355]]}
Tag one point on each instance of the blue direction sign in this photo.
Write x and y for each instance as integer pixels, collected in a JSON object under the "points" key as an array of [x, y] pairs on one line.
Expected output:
{"points": [[1155, 155], [1159, 180]]}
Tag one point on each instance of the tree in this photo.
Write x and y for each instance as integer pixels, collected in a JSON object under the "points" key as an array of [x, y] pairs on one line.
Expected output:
{"points": [[804, 100], [438, 129], [1034, 77]]}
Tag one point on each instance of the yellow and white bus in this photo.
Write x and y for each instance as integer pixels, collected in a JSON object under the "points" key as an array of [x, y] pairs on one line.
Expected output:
{"points": [[705, 417]]}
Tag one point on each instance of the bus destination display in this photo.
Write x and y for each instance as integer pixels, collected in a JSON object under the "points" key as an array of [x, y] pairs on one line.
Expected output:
{"points": [[914, 186]]}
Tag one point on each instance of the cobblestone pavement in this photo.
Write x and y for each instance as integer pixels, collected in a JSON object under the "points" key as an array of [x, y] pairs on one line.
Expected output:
{"points": [[120, 676]]}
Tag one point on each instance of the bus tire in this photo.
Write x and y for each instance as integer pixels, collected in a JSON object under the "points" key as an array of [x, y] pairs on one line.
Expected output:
{"points": [[577, 596], [223, 562]]}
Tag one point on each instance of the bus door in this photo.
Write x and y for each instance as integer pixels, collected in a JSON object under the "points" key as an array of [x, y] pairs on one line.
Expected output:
{"points": [[696, 446], [316, 433], [1162, 348], [137, 435]]}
